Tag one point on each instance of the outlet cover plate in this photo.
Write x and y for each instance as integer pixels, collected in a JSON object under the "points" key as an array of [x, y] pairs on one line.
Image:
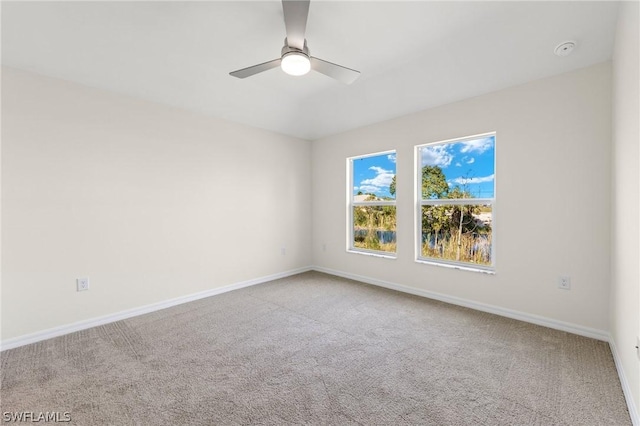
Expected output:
{"points": [[564, 283], [82, 284]]}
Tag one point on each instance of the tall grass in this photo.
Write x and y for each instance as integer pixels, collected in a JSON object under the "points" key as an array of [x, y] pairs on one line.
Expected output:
{"points": [[388, 247], [371, 241], [471, 248]]}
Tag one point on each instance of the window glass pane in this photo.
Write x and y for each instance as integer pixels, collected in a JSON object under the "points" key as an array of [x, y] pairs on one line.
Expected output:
{"points": [[374, 228], [464, 169], [374, 178], [459, 233]]}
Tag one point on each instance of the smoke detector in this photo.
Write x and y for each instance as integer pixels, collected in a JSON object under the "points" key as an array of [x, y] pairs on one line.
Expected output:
{"points": [[565, 48]]}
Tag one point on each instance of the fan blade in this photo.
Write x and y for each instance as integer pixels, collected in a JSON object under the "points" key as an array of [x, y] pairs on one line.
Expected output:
{"points": [[295, 21], [340, 73], [249, 71]]}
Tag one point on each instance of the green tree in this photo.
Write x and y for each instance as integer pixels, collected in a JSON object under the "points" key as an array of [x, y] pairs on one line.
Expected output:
{"points": [[461, 218], [434, 183], [435, 219], [392, 187]]}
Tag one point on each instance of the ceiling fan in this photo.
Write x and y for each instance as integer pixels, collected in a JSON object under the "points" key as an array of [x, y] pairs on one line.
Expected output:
{"points": [[295, 57]]}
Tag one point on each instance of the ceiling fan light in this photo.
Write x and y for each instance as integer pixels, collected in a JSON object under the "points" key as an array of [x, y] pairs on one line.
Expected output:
{"points": [[295, 63]]}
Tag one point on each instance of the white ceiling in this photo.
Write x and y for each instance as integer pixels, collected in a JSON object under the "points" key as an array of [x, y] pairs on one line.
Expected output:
{"points": [[412, 55]]}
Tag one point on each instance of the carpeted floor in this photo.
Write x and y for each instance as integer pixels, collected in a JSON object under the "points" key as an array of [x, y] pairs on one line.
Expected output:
{"points": [[317, 349]]}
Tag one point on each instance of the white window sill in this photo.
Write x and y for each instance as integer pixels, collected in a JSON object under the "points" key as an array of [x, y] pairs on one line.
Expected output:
{"points": [[454, 266], [373, 253]]}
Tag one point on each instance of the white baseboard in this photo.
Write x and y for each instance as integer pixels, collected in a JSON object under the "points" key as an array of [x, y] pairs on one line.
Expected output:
{"points": [[626, 389], [509, 313], [93, 322]]}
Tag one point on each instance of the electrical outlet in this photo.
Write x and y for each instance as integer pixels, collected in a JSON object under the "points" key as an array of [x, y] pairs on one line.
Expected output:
{"points": [[324, 246], [564, 283], [82, 284], [283, 251]]}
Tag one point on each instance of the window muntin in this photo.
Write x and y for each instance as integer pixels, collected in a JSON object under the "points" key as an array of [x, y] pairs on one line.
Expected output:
{"points": [[456, 202], [372, 204]]}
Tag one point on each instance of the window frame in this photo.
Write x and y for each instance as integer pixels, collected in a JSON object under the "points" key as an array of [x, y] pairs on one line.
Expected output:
{"points": [[351, 204], [419, 202]]}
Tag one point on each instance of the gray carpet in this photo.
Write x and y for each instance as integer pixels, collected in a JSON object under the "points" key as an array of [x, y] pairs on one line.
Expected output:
{"points": [[316, 349]]}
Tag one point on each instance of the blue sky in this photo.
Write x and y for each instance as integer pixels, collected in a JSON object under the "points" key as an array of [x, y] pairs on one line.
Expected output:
{"points": [[468, 164], [372, 175]]}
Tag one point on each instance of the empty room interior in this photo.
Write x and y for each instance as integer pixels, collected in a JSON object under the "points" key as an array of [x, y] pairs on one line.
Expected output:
{"points": [[325, 212]]}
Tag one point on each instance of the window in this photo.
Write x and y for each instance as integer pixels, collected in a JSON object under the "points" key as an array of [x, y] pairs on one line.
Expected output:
{"points": [[456, 198], [372, 204]]}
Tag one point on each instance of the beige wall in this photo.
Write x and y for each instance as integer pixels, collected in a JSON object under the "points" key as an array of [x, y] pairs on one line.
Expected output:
{"points": [[625, 287], [552, 210], [149, 202], [154, 203]]}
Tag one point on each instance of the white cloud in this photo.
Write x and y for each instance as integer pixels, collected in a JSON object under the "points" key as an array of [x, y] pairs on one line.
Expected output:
{"points": [[380, 170], [471, 161], [465, 181], [381, 181], [477, 145], [368, 189], [392, 158], [458, 164], [436, 156]]}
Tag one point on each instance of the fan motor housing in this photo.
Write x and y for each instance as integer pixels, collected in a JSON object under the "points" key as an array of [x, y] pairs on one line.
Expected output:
{"points": [[286, 49]]}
